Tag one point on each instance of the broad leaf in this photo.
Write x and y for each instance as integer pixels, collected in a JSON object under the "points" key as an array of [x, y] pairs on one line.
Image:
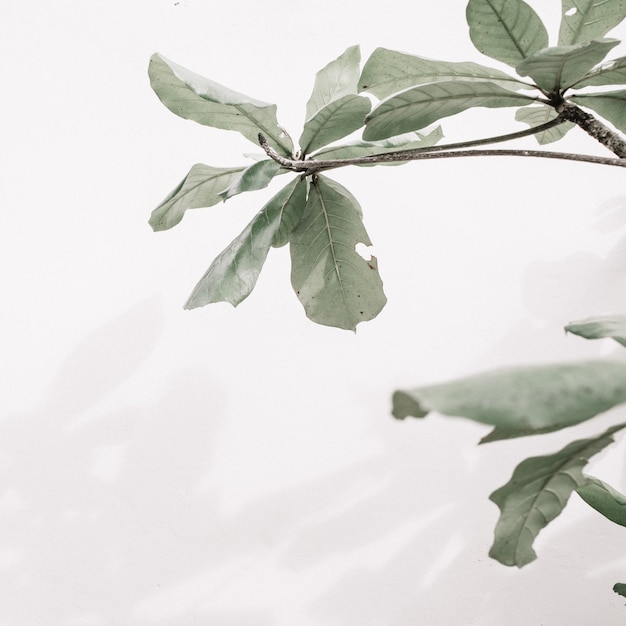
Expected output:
{"points": [[537, 493], [334, 121], [336, 286], [338, 79], [256, 176], [522, 401], [613, 326], [196, 98], [200, 188], [387, 72], [293, 204], [620, 588], [233, 274], [611, 105], [538, 115], [506, 30], [610, 73], [604, 499], [582, 20], [409, 141], [559, 68], [418, 107]]}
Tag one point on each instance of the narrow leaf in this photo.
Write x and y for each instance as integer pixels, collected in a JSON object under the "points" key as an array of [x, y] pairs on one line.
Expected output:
{"points": [[233, 274], [336, 286], [524, 400], [200, 188], [582, 20], [611, 105], [505, 30], [196, 98], [604, 499], [537, 493], [334, 121], [610, 73], [559, 68], [418, 107], [537, 115], [613, 326], [387, 72], [256, 176], [337, 79], [620, 588], [293, 204]]}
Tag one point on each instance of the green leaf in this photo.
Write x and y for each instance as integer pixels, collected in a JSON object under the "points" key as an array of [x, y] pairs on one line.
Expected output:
{"points": [[613, 326], [336, 286], [505, 30], [611, 105], [196, 98], [537, 493], [537, 115], [524, 400], [233, 274], [293, 204], [418, 107], [582, 20], [337, 79], [559, 68], [256, 176], [610, 73], [604, 499], [334, 121], [408, 141], [620, 588], [387, 72], [200, 188]]}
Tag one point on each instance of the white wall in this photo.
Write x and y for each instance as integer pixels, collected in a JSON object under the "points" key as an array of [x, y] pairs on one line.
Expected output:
{"points": [[240, 467]]}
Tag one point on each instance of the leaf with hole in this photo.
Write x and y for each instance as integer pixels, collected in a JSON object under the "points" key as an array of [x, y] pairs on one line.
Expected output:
{"points": [[336, 286], [611, 105], [604, 499], [537, 493], [256, 176], [541, 114], [582, 20], [609, 73], [613, 326]]}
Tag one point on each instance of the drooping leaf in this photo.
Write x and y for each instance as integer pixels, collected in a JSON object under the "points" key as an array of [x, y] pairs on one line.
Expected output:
{"points": [[611, 105], [609, 73], [197, 98], [337, 79], [505, 30], [537, 493], [418, 107], [233, 274], [387, 72], [200, 188], [292, 209], [537, 115], [523, 400], [620, 588], [409, 141], [334, 121], [256, 176], [336, 286], [582, 20], [613, 326], [559, 68], [604, 499]]}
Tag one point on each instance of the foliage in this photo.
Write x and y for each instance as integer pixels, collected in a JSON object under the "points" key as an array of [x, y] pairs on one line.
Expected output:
{"points": [[323, 223]]}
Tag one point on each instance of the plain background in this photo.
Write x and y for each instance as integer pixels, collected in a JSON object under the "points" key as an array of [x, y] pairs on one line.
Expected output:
{"points": [[240, 466]]}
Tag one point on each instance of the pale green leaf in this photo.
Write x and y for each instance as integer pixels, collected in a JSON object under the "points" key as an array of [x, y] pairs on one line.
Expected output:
{"points": [[537, 115], [611, 105], [620, 588], [408, 141], [537, 493], [418, 107], [200, 188], [604, 499], [387, 72], [233, 274], [197, 98], [334, 121], [524, 400], [506, 30], [336, 286], [609, 73], [582, 20], [558, 68], [613, 326], [256, 176], [293, 203], [337, 79]]}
